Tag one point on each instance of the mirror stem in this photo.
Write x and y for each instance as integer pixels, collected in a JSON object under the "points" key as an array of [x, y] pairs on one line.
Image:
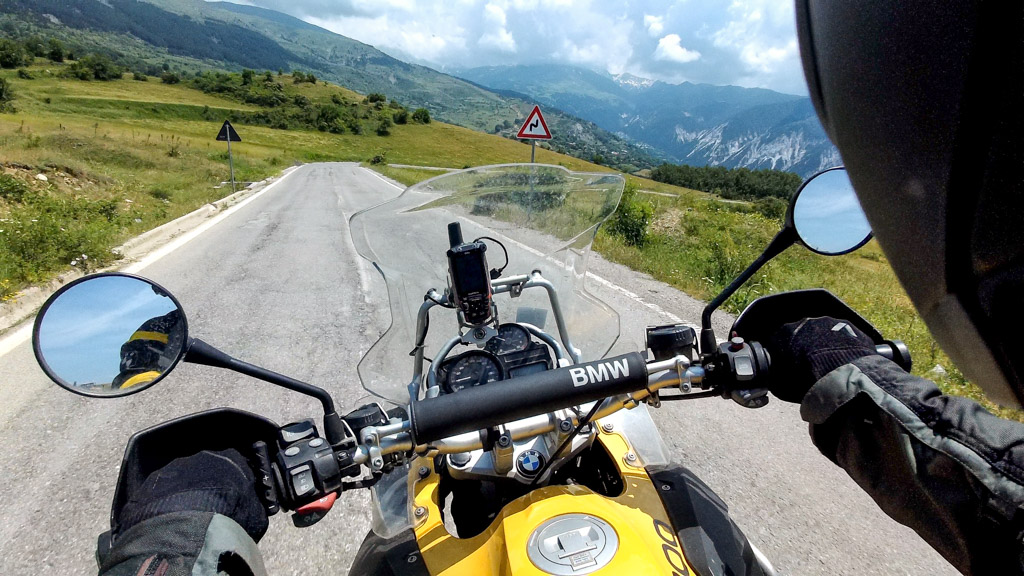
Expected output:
{"points": [[784, 239], [200, 352]]}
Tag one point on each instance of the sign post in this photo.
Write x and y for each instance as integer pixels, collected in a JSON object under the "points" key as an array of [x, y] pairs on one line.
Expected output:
{"points": [[535, 128], [227, 133]]}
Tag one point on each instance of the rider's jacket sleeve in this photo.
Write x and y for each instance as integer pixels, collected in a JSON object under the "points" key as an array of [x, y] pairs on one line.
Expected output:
{"points": [[183, 544], [941, 465]]}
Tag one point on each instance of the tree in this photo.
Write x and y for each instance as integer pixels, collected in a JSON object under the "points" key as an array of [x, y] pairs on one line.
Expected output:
{"points": [[103, 68], [35, 46], [247, 77], [6, 95], [421, 115], [298, 76], [12, 54], [56, 52]]}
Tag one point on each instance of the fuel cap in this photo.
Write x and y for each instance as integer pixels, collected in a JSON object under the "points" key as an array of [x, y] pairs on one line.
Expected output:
{"points": [[572, 544]]}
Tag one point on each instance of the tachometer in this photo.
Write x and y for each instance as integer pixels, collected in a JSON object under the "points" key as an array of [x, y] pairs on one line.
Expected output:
{"points": [[510, 338], [473, 368]]}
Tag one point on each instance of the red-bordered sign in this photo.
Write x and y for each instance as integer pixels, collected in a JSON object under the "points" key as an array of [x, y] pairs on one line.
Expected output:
{"points": [[535, 127]]}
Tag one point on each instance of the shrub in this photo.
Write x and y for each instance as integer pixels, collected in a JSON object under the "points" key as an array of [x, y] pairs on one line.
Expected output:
{"points": [[421, 115], [6, 94], [139, 76], [384, 128], [12, 189], [381, 157], [170, 78], [771, 207], [375, 97], [94, 67], [631, 218], [24, 74], [401, 117], [160, 194]]}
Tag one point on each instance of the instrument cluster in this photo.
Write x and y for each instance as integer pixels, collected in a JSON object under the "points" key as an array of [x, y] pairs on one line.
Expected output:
{"points": [[510, 353]]}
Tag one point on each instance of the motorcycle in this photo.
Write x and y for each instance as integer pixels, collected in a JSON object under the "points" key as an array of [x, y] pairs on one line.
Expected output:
{"points": [[519, 439]]}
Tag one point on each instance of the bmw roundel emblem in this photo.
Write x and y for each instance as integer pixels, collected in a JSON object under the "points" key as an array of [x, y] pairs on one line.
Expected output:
{"points": [[529, 462]]}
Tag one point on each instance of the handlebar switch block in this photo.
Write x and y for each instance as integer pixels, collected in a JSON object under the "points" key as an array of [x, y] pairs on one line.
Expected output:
{"points": [[308, 464], [741, 362]]}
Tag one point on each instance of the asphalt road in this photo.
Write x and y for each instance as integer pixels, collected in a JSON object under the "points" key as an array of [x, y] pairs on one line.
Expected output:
{"points": [[278, 284]]}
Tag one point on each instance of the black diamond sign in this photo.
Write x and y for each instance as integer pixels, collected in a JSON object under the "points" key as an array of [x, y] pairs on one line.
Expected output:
{"points": [[228, 131]]}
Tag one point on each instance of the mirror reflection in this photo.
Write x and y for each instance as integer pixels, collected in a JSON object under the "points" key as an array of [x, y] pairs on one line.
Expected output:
{"points": [[827, 216], [110, 336]]}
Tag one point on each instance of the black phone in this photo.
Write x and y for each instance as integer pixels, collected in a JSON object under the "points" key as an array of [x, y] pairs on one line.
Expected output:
{"points": [[471, 281]]}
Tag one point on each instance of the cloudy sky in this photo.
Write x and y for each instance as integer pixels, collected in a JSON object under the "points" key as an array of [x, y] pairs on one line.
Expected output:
{"points": [[743, 42]]}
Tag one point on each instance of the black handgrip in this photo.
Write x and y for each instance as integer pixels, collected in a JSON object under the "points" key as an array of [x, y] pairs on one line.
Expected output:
{"points": [[896, 351], [509, 400]]}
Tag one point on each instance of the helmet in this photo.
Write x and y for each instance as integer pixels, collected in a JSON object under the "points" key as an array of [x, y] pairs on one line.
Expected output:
{"points": [[150, 350], [924, 101]]}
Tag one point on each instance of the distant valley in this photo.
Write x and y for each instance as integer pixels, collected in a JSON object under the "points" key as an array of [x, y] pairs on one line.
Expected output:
{"points": [[696, 124]]}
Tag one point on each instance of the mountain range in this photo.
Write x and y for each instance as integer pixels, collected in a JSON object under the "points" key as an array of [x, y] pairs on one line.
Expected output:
{"points": [[696, 124], [625, 122]]}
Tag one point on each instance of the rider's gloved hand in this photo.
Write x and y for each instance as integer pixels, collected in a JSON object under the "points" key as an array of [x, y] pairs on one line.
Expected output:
{"points": [[802, 352], [221, 482]]}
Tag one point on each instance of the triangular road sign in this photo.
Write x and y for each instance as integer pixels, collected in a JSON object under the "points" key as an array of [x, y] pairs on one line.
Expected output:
{"points": [[228, 131], [535, 127]]}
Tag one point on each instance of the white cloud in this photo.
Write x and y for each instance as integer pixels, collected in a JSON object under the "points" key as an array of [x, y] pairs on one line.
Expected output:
{"points": [[495, 14], [655, 24], [752, 34], [500, 40], [742, 42], [669, 48]]}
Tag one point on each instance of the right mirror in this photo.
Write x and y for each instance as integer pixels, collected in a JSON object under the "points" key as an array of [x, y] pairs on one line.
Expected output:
{"points": [[827, 216], [109, 335]]}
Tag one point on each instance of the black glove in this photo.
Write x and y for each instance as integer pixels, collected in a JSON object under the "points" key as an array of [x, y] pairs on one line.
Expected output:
{"points": [[802, 352], [221, 482]]}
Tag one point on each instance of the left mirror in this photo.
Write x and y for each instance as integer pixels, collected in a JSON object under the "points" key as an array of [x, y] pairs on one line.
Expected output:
{"points": [[109, 335]]}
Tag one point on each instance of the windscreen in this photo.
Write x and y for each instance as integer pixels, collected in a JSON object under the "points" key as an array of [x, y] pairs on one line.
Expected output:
{"points": [[544, 216]]}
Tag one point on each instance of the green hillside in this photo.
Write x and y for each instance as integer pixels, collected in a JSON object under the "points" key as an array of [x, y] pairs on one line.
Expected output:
{"points": [[188, 36], [123, 156]]}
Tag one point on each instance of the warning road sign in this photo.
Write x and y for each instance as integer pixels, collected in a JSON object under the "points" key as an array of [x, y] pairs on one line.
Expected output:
{"points": [[227, 133], [535, 127]]}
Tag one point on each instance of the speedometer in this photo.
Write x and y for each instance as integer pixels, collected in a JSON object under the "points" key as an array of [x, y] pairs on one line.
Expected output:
{"points": [[510, 338], [473, 368]]}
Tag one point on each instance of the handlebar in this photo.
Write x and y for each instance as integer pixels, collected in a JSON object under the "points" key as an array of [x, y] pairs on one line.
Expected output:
{"points": [[486, 406], [452, 423]]}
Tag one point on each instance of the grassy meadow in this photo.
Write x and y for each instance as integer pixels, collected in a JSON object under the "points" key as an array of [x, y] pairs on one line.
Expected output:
{"points": [[124, 156]]}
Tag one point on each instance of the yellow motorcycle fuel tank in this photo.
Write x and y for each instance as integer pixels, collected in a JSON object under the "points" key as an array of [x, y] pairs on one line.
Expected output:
{"points": [[566, 530]]}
